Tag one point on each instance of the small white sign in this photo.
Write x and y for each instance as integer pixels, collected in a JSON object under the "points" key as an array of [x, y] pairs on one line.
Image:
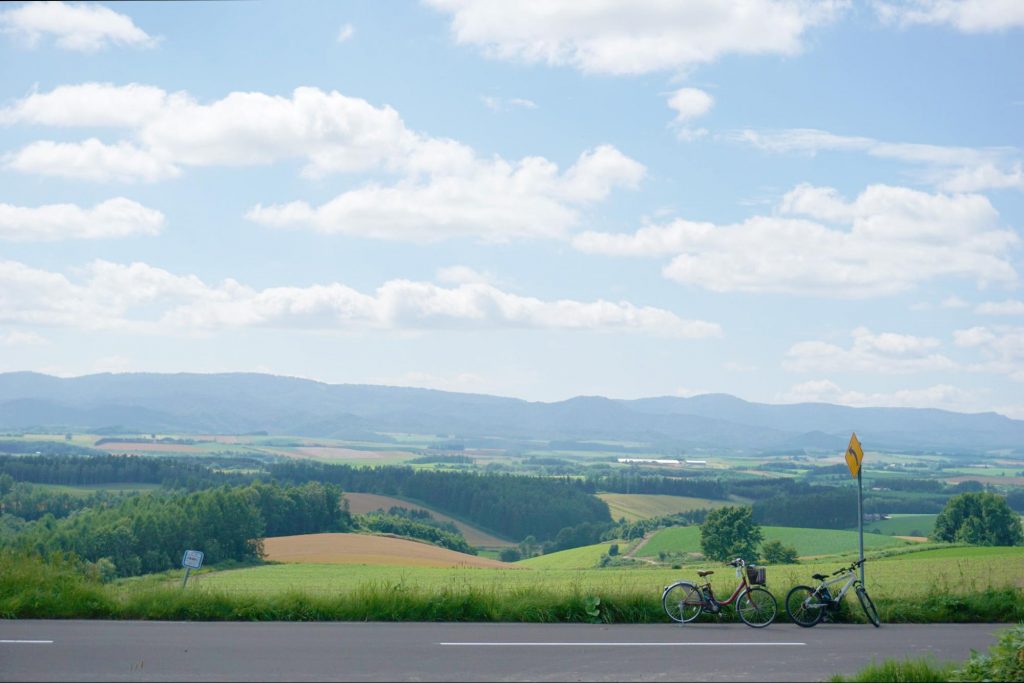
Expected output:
{"points": [[193, 559]]}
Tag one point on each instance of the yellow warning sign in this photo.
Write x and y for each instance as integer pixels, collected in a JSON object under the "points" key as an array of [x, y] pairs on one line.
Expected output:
{"points": [[854, 455]]}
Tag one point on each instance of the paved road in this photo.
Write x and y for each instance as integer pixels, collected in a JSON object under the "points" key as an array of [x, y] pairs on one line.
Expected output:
{"points": [[190, 651]]}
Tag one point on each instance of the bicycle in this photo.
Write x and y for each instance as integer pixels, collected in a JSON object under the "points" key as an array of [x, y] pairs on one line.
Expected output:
{"points": [[807, 606], [684, 601]]}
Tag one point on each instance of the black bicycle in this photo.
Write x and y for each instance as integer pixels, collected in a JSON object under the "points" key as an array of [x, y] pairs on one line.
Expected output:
{"points": [[807, 606]]}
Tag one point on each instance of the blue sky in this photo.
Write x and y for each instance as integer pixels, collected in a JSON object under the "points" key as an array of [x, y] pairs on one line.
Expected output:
{"points": [[785, 201]]}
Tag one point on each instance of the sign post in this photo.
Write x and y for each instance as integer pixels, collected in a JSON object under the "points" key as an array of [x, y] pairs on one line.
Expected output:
{"points": [[854, 458], [193, 559]]}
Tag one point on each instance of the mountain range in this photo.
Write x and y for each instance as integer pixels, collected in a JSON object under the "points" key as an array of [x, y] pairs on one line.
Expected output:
{"points": [[240, 403]]}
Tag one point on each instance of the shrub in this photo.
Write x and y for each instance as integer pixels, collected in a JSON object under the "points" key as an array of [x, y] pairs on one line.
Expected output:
{"points": [[1004, 661], [774, 552]]}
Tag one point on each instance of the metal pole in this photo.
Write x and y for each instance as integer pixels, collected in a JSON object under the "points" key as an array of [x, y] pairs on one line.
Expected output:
{"points": [[860, 521], [188, 569]]}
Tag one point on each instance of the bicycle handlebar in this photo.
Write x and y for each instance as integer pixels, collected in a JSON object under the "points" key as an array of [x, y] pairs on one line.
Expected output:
{"points": [[852, 567]]}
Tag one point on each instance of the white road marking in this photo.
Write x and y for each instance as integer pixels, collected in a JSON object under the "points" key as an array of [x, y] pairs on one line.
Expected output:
{"points": [[605, 644], [29, 642]]}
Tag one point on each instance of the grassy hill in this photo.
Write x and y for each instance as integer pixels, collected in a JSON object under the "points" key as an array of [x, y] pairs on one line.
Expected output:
{"points": [[369, 550], [808, 542], [361, 503]]}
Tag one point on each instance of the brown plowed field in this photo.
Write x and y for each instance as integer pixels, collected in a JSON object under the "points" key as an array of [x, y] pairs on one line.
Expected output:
{"points": [[364, 549], [361, 503]]}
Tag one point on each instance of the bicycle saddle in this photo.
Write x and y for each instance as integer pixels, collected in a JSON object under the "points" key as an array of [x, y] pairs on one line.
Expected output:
{"points": [[818, 577], [703, 574]]}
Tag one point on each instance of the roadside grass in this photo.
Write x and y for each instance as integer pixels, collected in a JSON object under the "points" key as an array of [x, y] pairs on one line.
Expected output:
{"points": [[33, 588], [1004, 661]]}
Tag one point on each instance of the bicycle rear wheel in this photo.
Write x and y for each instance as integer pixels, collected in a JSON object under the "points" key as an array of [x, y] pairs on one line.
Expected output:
{"points": [[757, 607], [682, 602], [803, 606], [869, 606]]}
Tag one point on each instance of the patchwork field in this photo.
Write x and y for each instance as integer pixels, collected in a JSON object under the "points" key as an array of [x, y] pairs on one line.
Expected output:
{"points": [[903, 525], [334, 454], [366, 549], [361, 503], [808, 542], [634, 506]]}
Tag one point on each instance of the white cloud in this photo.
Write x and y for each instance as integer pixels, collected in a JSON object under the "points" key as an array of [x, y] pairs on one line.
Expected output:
{"points": [[442, 188], [92, 105], [968, 16], [117, 217], [942, 396], [346, 32], [690, 103], [951, 169], [886, 240], [1001, 346], [637, 37], [21, 338], [1008, 307], [881, 353], [82, 27], [91, 160], [140, 297], [492, 201]]}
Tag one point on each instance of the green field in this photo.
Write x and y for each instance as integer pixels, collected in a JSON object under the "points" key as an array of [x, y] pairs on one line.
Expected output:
{"points": [[953, 570], [634, 506], [584, 557], [808, 542], [903, 525]]}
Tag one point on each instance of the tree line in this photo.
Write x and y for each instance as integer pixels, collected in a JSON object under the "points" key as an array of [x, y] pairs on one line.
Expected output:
{"points": [[508, 505], [72, 470], [149, 533]]}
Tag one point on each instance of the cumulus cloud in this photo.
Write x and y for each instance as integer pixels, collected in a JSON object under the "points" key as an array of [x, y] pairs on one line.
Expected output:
{"points": [[886, 352], [636, 37], [140, 297], [117, 217], [438, 187], [500, 104], [951, 169], [81, 27], [463, 275], [91, 160], [1008, 307], [22, 338], [967, 16], [689, 104], [886, 240], [490, 200], [1002, 347], [942, 396]]}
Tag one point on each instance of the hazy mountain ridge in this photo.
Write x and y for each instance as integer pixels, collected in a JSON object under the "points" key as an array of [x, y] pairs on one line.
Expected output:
{"points": [[247, 402]]}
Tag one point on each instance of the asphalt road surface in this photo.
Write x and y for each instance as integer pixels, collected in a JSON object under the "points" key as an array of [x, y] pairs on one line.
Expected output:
{"points": [[202, 651]]}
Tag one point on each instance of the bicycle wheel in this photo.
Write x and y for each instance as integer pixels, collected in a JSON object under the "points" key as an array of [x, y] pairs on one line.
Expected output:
{"points": [[682, 602], [869, 607], [757, 607], [802, 606]]}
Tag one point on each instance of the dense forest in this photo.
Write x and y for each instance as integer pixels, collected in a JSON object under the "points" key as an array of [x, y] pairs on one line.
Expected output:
{"points": [[508, 505], [72, 470], [149, 533]]}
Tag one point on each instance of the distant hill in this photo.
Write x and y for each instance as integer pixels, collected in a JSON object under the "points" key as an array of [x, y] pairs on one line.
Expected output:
{"points": [[238, 403]]}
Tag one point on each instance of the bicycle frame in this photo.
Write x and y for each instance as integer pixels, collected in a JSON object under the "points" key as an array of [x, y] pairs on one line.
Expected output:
{"points": [[850, 579], [707, 592]]}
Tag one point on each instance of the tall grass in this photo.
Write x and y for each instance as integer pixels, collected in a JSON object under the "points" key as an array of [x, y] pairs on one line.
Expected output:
{"points": [[58, 588], [906, 671]]}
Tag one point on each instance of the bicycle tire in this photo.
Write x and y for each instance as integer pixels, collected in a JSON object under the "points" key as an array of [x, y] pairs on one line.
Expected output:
{"points": [[757, 607], [797, 606], [869, 606], [683, 602]]}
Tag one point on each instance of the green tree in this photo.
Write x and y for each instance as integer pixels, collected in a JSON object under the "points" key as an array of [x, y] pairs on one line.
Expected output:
{"points": [[730, 532], [774, 552], [979, 519]]}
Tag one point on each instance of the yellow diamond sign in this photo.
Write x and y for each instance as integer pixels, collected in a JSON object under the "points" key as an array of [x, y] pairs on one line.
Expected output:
{"points": [[854, 455]]}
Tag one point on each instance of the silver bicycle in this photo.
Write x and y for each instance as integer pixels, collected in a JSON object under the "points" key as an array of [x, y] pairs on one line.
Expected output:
{"points": [[807, 606]]}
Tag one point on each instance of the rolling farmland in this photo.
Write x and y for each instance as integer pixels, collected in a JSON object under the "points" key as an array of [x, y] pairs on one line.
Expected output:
{"points": [[361, 503], [367, 549], [634, 506]]}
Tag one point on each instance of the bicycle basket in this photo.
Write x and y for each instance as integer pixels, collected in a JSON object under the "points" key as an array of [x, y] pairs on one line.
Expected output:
{"points": [[756, 575]]}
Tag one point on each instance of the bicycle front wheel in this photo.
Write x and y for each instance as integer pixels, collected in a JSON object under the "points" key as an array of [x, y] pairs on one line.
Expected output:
{"points": [[804, 607], [682, 602], [757, 607], [869, 607]]}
